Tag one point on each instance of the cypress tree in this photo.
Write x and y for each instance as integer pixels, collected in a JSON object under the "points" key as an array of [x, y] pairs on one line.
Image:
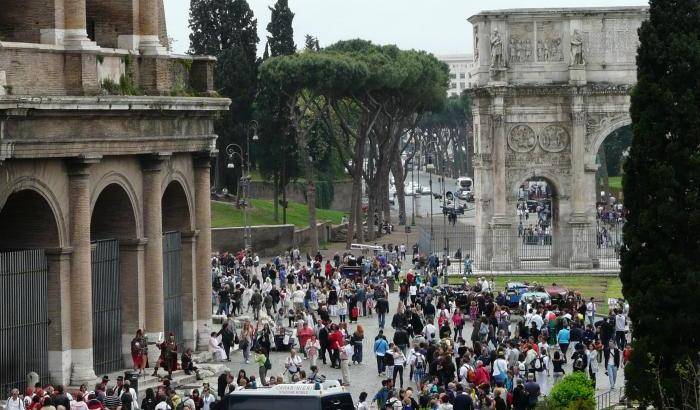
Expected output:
{"points": [[227, 29], [660, 262], [281, 38]]}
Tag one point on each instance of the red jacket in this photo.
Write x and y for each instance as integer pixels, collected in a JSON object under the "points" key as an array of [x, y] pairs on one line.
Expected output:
{"points": [[481, 376], [336, 340]]}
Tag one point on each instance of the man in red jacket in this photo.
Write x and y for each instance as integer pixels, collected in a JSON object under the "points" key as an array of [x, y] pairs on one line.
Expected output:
{"points": [[481, 376]]}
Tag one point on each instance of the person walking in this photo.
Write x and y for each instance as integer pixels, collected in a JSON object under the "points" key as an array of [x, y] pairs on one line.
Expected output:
{"points": [[613, 364], [382, 308], [399, 361], [380, 350], [311, 348], [563, 340]]}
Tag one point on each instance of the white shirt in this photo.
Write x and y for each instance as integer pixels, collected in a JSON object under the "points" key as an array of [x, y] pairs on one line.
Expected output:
{"points": [[162, 406], [590, 308], [207, 400], [620, 323], [538, 320], [429, 332], [500, 366], [15, 404]]}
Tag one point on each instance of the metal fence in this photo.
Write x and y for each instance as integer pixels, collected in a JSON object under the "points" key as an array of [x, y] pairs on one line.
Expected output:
{"points": [[172, 284], [23, 318], [525, 251], [609, 399], [106, 307]]}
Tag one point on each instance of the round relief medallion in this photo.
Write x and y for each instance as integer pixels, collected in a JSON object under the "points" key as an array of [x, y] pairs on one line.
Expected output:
{"points": [[554, 138], [521, 138]]}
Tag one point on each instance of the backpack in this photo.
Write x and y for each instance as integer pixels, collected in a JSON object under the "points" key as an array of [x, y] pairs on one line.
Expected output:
{"points": [[539, 364], [419, 362], [578, 363]]}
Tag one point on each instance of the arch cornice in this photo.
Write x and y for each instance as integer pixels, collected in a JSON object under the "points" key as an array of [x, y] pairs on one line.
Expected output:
{"points": [[43, 189], [113, 177]]}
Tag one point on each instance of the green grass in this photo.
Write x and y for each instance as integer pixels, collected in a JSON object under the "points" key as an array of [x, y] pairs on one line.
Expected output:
{"points": [[601, 287], [262, 212], [615, 182]]}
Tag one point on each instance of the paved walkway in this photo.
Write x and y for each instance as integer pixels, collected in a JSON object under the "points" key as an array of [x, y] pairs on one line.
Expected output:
{"points": [[364, 377]]}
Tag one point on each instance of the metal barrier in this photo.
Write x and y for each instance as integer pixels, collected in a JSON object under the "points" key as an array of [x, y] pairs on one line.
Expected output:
{"points": [[172, 284], [23, 318], [106, 307], [527, 251], [609, 399]]}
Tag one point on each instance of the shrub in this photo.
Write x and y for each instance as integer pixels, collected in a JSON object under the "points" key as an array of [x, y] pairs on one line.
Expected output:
{"points": [[573, 392]]}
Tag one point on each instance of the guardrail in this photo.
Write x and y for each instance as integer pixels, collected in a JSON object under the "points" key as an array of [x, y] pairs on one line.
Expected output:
{"points": [[609, 398]]}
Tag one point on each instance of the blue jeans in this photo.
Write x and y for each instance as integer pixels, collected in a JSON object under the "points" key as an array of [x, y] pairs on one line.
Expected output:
{"points": [[380, 364], [381, 317], [223, 307], [357, 353]]}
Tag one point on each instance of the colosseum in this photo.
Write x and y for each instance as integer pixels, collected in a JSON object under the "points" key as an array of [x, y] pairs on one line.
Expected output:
{"points": [[106, 139]]}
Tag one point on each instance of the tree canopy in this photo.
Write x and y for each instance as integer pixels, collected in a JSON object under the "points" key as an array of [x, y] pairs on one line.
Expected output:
{"points": [[660, 260]]}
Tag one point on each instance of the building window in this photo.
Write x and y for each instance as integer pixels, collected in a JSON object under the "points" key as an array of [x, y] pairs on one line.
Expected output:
{"points": [[461, 86], [453, 85], [461, 75], [453, 76]]}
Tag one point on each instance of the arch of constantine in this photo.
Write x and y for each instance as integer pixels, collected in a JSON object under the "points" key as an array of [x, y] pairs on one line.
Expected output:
{"points": [[551, 85]]}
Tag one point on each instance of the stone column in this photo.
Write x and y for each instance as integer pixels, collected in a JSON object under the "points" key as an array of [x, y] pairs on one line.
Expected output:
{"points": [[202, 188], [81, 272], [501, 224], [75, 34], [579, 224], [189, 288], [59, 343], [149, 43], [132, 290], [153, 230]]}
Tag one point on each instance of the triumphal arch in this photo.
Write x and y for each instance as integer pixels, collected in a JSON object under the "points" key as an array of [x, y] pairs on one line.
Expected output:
{"points": [[550, 85]]}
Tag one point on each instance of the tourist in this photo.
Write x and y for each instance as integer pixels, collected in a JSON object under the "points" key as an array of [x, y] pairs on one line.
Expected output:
{"points": [[380, 350], [356, 341], [214, 347], [613, 364], [16, 403], [293, 364]]}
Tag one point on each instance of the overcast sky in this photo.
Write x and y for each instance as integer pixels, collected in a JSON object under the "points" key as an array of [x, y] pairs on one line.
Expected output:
{"points": [[437, 26]]}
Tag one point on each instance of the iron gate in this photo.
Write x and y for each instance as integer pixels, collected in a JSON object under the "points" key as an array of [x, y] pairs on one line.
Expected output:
{"points": [[106, 307], [172, 284], [23, 318]]}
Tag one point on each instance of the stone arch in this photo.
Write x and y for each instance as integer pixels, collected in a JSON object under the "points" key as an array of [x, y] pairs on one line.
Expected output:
{"points": [[177, 214], [43, 193], [118, 179], [113, 214], [606, 128], [548, 175], [178, 203]]}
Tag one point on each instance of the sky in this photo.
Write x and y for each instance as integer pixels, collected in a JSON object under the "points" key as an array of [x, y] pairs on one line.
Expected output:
{"points": [[436, 26]]}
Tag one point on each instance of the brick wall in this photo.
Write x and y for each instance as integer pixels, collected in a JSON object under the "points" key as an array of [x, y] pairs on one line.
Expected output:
{"points": [[22, 20], [45, 76], [110, 19]]}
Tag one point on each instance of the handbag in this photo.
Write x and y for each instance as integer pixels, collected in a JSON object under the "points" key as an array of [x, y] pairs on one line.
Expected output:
{"points": [[268, 365]]}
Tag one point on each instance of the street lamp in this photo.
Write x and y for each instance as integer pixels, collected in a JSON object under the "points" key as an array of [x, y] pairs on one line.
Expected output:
{"points": [[234, 150]]}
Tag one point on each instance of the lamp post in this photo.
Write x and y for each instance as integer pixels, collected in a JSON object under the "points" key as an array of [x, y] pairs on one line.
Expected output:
{"points": [[233, 150]]}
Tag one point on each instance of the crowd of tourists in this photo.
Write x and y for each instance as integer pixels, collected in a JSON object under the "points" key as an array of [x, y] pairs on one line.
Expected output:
{"points": [[426, 359]]}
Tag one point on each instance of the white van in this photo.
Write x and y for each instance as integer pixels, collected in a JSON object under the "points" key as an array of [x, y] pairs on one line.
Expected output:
{"points": [[329, 395]]}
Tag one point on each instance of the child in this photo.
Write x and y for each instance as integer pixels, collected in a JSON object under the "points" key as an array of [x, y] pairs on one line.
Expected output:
{"points": [[473, 311]]}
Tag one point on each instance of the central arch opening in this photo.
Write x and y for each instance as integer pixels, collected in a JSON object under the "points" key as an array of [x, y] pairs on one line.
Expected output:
{"points": [[537, 222], [113, 222]]}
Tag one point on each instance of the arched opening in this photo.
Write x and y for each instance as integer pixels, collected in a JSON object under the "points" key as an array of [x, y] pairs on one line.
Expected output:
{"points": [[28, 228], [609, 208], [537, 214], [176, 221], [113, 222]]}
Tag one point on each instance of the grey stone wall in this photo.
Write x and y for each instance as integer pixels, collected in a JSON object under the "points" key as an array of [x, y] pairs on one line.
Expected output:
{"points": [[268, 240]]}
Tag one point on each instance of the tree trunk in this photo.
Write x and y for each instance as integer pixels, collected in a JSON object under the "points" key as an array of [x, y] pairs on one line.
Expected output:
{"points": [[311, 203], [399, 180], [276, 198]]}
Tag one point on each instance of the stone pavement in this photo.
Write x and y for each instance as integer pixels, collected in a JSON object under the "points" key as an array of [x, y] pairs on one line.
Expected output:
{"points": [[364, 377]]}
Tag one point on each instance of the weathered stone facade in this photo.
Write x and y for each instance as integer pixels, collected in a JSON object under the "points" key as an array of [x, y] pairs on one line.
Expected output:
{"points": [[551, 84], [79, 165]]}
